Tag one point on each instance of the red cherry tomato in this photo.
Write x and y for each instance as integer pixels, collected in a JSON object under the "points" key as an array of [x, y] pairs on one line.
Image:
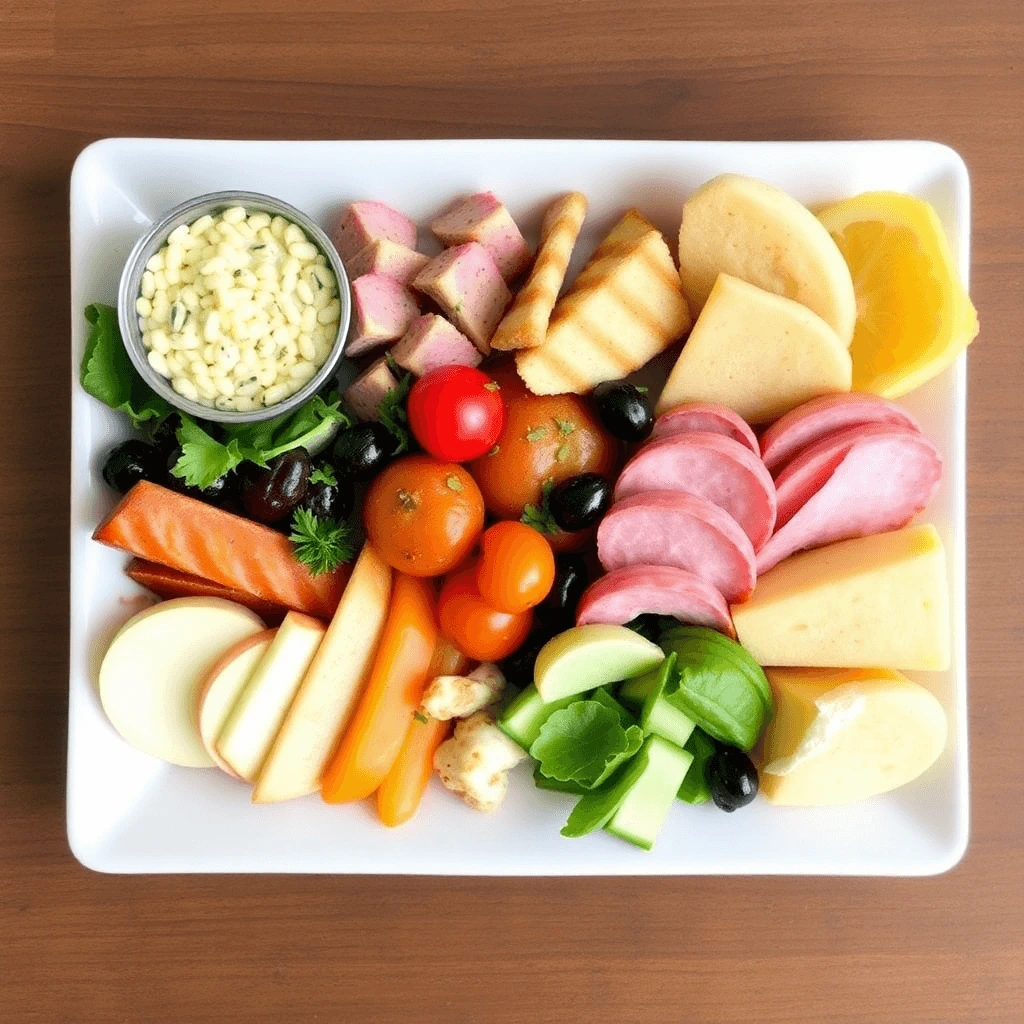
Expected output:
{"points": [[481, 632], [517, 567], [456, 413]]}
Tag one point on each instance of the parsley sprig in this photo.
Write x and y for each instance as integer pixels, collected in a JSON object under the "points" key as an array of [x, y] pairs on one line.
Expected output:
{"points": [[321, 544]]}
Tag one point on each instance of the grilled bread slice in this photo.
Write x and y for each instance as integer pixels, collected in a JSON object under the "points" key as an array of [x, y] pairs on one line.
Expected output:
{"points": [[626, 306], [526, 324]]}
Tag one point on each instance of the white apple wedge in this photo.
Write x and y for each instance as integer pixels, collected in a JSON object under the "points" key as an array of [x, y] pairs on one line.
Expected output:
{"points": [[152, 672], [222, 688], [331, 688], [260, 709]]}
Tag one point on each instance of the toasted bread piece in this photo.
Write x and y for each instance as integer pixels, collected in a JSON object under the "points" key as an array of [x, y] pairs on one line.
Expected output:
{"points": [[626, 306], [525, 325]]}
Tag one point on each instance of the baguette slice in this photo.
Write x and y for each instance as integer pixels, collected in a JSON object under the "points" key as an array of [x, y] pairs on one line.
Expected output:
{"points": [[525, 325], [625, 307]]}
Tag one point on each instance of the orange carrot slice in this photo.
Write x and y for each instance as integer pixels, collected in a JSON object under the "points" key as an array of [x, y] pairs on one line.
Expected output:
{"points": [[399, 675], [400, 793], [163, 526], [167, 582]]}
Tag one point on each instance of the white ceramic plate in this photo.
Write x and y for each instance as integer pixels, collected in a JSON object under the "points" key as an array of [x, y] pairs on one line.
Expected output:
{"points": [[129, 813]]}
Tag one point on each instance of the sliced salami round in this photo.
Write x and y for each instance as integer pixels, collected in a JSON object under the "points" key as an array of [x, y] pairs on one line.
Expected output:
{"points": [[681, 530], [709, 418], [808, 472], [635, 590], [819, 417], [883, 479], [711, 466]]}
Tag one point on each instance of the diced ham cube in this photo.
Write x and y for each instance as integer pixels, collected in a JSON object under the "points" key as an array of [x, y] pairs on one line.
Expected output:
{"points": [[431, 342], [366, 222], [466, 283], [484, 218], [391, 259], [384, 308], [363, 395]]}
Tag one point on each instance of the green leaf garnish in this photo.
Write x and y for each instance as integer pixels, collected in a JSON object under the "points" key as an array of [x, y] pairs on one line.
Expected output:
{"points": [[454, 484], [492, 385], [203, 459], [418, 716], [539, 516], [536, 434], [324, 474], [562, 454], [321, 544], [391, 410], [566, 427], [641, 388], [309, 427]]}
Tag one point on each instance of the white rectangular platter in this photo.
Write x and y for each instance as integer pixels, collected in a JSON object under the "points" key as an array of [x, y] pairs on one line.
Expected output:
{"points": [[128, 813]]}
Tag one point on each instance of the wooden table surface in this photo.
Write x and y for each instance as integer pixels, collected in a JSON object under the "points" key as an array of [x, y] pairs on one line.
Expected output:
{"points": [[81, 947]]}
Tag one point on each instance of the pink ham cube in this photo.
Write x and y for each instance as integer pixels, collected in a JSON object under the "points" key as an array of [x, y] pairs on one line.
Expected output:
{"points": [[384, 308], [391, 259], [485, 219], [466, 283], [363, 395], [365, 222], [431, 342]]}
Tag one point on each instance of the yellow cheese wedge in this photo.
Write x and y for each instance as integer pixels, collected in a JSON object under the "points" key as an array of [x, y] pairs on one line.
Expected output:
{"points": [[878, 600], [758, 353], [841, 735]]}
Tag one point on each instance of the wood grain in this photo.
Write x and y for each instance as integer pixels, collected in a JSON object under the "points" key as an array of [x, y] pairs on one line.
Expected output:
{"points": [[79, 947]]}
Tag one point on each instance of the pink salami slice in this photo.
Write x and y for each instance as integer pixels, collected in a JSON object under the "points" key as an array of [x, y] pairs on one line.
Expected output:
{"points": [[681, 530], [884, 478], [819, 417], [706, 417], [711, 466], [635, 590], [808, 472]]}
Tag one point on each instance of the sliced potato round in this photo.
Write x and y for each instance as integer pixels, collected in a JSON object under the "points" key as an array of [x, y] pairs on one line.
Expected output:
{"points": [[741, 226], [152, 672]]}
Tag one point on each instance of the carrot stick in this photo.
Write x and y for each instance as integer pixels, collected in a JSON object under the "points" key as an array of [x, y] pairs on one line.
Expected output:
{"points": [[163, 526], [167, 582], [393, 692], [400, 793]]}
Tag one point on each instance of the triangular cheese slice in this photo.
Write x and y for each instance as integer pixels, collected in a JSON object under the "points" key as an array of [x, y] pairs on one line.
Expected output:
{"points": [[758, 353]]}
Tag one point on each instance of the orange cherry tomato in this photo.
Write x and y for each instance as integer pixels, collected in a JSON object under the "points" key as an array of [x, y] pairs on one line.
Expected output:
{"points": [[423, 516], [517, 567], [478, 630]]}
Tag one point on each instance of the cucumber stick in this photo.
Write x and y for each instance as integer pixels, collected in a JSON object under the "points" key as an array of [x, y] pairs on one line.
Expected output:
{"points": [[642, 811]]}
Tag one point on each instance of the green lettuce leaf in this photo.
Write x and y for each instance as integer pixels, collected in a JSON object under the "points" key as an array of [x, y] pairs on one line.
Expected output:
{"points": [[107, 373], [310, 427], [585, 743], [695, 788]]}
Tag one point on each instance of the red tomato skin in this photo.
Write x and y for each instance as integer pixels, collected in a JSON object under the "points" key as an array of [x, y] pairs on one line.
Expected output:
{"points": [[456, 413], [481, 632]]}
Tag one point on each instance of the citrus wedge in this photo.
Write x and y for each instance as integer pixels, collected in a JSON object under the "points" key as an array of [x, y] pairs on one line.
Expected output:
{"points": [[914, 317]]}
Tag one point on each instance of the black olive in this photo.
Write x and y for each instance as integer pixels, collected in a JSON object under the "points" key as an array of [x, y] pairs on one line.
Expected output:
{"points": [[131, 462], [732, 778], [571, 578], [580, 501], [270, 494], [363, 451], [211, 494], [166, 435], [518, 667], [624, 410], [330, 501]]}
